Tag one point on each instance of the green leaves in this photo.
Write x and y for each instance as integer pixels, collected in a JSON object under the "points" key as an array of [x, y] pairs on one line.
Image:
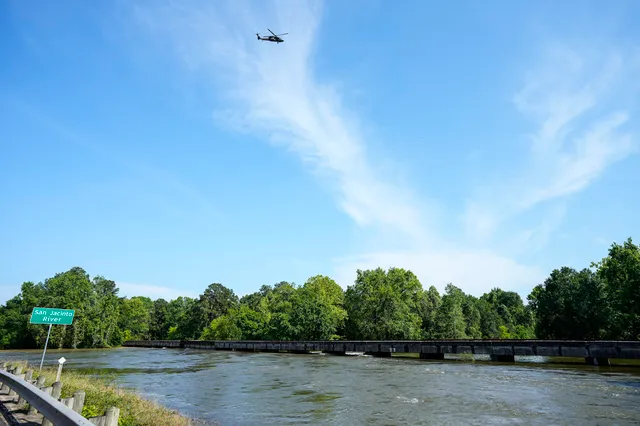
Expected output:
{"points": [[620, 273], [384, 305], [598, 303], [317, 309], [587, 304]]}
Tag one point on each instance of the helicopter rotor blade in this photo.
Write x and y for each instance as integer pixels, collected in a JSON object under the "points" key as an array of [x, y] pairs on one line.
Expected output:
{"points": [[272, 32], [282, 34]]}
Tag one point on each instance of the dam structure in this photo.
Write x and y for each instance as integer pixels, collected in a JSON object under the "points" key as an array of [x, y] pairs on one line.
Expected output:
{"points": [[593, 352]]}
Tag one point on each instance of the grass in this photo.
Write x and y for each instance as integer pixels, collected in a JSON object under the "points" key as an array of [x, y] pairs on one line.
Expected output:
{"points": [[102, 392]]}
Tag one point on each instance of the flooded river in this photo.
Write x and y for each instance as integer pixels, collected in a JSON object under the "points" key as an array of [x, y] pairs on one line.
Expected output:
{"points": [[236, 388]]}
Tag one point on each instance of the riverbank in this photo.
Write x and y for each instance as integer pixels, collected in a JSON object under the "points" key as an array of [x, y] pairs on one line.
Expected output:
{"points": [[103, 392]]}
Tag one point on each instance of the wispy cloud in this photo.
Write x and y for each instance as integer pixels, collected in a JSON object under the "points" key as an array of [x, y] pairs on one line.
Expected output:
{"points": [[273, 91], [535, 238], [579, 100]]}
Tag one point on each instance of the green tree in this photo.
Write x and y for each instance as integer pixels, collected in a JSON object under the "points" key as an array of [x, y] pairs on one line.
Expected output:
{"points": [[620, 273], [451, 322], [384, 305], [280, 305], [317, 309], [473, 320], [69, 290], [103, 312], [570, 305], [505, 308], [14, 333], [490, 320], [428, 307], [214, 302], [504, 332], [135, 316], [159, 320], [222, 328], [177, 319]]}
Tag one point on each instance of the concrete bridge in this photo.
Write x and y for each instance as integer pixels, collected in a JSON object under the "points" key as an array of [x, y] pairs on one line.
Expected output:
{"points": [[594, 352]]}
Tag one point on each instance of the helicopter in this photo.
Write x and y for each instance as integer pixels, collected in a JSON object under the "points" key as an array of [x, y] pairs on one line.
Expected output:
{"points": [[274, 38]]}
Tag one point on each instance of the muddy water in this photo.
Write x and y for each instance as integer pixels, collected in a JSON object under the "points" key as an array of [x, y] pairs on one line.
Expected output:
{"points": [[235, 388]]}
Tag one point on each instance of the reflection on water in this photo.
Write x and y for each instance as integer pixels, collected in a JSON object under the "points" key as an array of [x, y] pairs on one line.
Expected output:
{"points": [[236, 388]]}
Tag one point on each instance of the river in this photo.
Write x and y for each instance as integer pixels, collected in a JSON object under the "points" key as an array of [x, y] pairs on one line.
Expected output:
{"points": [[235, 388]]}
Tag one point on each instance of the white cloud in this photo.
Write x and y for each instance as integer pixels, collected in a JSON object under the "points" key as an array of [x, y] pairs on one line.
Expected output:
{"points": [[580, 101], [273, 92], [536, 238], [152, 291], [274, 89]]}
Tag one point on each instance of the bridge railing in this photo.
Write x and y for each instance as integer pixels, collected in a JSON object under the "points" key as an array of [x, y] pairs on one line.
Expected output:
{"points": [[19, 389]]}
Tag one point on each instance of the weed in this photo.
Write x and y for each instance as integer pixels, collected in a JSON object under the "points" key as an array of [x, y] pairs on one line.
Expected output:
{"points": [[101, 392]]}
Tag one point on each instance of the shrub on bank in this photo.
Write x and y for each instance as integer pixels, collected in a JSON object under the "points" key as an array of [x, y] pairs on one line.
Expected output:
{"points": [[102, 392]]}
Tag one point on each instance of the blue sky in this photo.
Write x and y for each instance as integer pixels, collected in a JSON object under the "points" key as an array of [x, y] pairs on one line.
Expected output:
{"points": [[161, 145]]}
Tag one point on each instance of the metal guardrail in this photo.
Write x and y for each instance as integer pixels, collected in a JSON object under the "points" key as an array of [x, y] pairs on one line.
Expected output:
{"points": [[53, 410]]}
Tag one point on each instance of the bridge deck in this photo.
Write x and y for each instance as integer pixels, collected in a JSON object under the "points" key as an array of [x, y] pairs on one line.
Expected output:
{"points": [[435, 348]]}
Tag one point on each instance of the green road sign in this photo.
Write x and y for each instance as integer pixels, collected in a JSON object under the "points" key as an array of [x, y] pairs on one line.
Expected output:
{"points": [[52, 316]]}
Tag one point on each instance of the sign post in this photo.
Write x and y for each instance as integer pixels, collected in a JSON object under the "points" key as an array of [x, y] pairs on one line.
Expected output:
{"points": [[60, 362], [50, 316]]}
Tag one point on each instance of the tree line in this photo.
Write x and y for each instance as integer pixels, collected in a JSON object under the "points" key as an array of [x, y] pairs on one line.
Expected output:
{"points": [[598, 302]]}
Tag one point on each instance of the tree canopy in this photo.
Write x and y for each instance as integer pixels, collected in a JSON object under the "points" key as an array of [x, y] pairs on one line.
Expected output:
{"points": [[599, 302]]}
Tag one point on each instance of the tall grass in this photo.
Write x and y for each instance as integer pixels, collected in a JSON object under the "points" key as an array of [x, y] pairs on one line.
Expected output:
{"points": [[102, 392]]}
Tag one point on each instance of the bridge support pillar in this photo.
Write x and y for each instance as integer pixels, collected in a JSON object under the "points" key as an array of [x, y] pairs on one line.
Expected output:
{"points": [[602, 362], [380, 354], [503, 358], [439, 357]]}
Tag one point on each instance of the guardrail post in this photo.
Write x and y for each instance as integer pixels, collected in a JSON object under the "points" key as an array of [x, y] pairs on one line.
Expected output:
{"points": [[16, 372], [40, 385], [13, 393], [68, 402], [53, 410], [27, 377], [45, 421], [78, 401], [111, 416], [56, 391], [32, 410]]}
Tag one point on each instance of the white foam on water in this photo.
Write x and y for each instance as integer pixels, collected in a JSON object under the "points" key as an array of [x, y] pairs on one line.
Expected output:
{"points": [[408, 400]]}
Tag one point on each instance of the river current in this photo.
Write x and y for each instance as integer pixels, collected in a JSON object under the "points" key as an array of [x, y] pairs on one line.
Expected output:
{"points": [[234, 388]]}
